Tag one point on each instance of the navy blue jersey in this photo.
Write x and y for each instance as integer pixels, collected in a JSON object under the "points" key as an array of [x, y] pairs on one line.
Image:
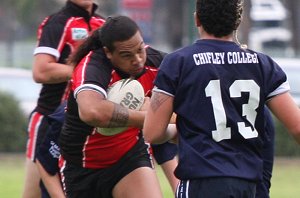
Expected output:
{"points": [[263, 187], [219, 92]]}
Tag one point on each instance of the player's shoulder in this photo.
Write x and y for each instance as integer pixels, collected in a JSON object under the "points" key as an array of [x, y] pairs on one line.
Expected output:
{"points": [[264, 60]]}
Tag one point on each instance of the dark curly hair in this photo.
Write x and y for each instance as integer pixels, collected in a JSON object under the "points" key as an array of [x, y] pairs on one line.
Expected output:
{"points": [[219, 17], [116, 28]]}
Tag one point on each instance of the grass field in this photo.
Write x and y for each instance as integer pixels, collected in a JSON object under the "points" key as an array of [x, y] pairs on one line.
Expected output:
{"points": [[285, 181]]}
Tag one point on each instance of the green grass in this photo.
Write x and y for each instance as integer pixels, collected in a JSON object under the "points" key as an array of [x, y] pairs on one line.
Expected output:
{"points": [[285, 181], [11, 175]]}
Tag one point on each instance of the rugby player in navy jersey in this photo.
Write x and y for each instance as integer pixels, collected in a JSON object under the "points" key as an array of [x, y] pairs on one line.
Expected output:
{"points": [[219, 90], [97, 165], [58, 36]]}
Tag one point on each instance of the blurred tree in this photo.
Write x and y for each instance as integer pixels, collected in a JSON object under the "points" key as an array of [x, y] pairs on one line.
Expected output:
{"points": [[19, 20], [13, 125]]}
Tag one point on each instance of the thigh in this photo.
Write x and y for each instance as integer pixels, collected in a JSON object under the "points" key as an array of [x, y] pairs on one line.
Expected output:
{"points": [[216, 187], [142, 182], [134, 175], [32, 179]]}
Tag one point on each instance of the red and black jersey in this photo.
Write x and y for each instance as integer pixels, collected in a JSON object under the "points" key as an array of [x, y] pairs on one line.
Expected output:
{"points": [[58, 35], [80, 143]]}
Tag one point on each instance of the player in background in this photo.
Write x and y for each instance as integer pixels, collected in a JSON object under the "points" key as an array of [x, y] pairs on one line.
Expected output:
{"points": [[219, 90], [97, 165], [58, 36]]}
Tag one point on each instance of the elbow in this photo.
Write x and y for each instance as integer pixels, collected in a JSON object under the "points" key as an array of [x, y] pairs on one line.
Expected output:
{"points": [[148, 137], [39, 75], [152, 137], [296, 133], [39, 78]]}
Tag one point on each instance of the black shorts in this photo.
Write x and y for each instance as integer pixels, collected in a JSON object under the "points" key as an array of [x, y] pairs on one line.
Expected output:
{"points": [[37, 128], [218, 187], [81, 182]]}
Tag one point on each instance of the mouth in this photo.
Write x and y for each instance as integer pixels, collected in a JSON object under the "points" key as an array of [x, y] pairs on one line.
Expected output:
{"points": [[138, 70]]}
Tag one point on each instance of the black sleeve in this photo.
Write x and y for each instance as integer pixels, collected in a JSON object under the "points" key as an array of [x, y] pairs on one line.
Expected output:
{"points": [[154, 57]]}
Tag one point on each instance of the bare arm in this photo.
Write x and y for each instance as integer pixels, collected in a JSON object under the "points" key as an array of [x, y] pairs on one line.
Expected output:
{"points": [[95, 110], [286, 110], [157, 118], [47, 70], [52, 182]]}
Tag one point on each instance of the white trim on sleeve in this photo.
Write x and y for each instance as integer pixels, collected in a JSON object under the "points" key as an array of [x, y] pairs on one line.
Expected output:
{"points": [[90, 87], [47, 50]]}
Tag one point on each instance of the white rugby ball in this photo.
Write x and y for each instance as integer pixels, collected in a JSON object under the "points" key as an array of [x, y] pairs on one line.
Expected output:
{"points": [[128, 93]]}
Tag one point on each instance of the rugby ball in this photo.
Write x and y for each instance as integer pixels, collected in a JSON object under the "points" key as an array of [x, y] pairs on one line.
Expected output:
{"points": [[128, 93]]}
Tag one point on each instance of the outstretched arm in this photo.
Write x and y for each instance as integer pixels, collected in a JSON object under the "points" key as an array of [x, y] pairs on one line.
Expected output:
{"points": [[286, 110], [158, 118]]}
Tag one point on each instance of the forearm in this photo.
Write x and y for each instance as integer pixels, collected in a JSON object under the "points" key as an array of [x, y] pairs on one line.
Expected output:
{"points": [[98, 112], [170, 134]]}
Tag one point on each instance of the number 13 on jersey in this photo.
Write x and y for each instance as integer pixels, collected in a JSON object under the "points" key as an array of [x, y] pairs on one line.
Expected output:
{"points": [[222, 132]]}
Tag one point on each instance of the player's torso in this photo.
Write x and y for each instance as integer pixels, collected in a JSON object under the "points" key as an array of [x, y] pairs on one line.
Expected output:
{"points": [[99, 151], [71, 32], [219, 102]]}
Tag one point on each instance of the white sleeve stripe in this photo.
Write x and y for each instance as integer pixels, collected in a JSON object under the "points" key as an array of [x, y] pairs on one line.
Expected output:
{"points": [[47, 50], [284, 87], [89, 87], [155, 89]]}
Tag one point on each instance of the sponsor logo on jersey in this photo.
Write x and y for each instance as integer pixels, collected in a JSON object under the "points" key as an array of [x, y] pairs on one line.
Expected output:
{"points": [[79, 33]]}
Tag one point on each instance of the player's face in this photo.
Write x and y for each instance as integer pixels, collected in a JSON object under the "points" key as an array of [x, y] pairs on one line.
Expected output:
{"points": [[129, 56], [86, 4]]}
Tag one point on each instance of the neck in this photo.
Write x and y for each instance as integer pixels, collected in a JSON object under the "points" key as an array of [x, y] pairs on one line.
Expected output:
{"points": [[204, 35]]}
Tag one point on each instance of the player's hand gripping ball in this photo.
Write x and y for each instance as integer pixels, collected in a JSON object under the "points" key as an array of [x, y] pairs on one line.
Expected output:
{"points": [[128, 93]]}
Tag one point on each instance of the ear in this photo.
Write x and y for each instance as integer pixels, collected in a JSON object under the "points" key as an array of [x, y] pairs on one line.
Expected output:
{"points": [[107, 52], [197, 21]]}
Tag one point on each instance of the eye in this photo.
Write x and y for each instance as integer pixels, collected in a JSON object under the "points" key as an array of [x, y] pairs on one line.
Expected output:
{"points": [[141, 50], [127, 56]]}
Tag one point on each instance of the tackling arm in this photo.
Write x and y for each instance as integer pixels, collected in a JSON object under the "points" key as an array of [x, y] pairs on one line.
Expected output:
{"points": [[158, 118]]}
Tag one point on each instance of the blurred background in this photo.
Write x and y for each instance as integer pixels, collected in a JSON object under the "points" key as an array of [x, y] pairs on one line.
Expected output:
{"points": [[269, 26]]}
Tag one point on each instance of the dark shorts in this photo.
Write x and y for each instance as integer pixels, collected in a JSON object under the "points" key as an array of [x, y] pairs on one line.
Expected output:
{"points": [[37, 128], [218, 187], [91, 183], [49, 151], [164, 152]]}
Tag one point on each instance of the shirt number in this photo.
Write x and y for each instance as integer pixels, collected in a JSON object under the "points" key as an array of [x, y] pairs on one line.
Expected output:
{"points": [[213, 90]]}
